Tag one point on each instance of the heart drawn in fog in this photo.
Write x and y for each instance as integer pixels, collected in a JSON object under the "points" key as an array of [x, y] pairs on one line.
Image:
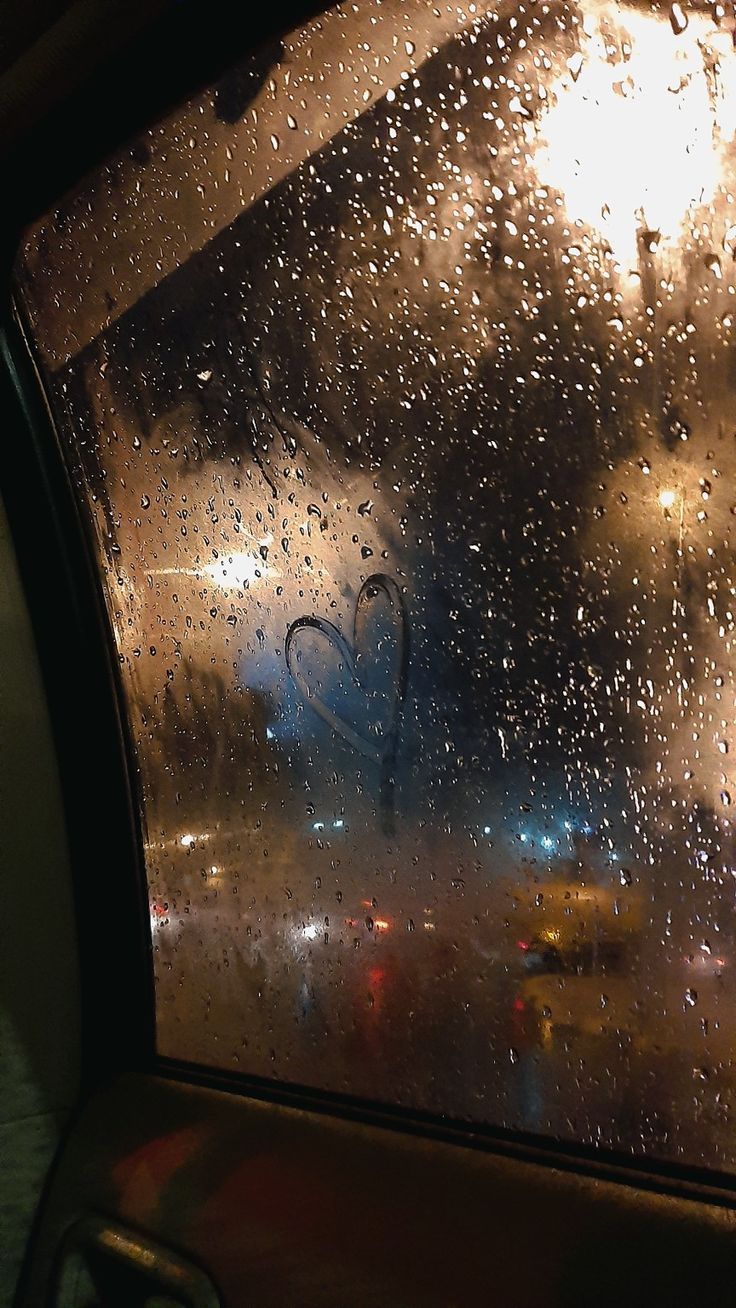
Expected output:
{"points": [[371, 669]]}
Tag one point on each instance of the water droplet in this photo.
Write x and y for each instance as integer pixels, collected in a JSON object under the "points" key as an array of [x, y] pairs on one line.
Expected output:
{"points": [[575, 64], [678, 18]]}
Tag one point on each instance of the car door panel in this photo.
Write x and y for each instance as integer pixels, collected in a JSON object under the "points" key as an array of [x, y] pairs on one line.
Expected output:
{"points": [[282, 1205]]}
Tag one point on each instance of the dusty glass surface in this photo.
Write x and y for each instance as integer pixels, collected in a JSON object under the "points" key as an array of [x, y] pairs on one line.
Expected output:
{"points": [[397, 378]]}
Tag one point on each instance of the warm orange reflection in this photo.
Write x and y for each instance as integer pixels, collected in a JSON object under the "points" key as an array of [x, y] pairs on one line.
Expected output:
{"points": [[636, 129]]}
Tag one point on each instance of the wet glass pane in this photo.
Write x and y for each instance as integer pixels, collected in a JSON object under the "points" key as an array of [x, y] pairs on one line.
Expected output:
{"points": [[396, 375]]}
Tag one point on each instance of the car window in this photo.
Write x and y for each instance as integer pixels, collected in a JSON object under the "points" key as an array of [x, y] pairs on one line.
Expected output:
{"points": [[395, 376]]}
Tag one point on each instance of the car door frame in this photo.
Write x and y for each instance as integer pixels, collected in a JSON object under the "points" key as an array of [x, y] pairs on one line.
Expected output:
{"points": [[96, 757]]}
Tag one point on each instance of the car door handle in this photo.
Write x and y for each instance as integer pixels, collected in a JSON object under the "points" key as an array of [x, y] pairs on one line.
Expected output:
{"points": [[103, 1265]]}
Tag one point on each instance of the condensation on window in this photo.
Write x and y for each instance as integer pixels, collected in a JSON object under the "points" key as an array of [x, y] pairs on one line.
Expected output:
{"points": [[396, 375]]}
